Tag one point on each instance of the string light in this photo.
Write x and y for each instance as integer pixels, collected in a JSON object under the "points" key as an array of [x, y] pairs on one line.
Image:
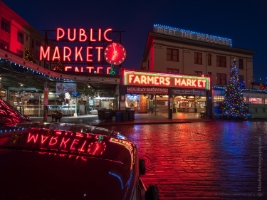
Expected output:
{"points": [[195, 33]]}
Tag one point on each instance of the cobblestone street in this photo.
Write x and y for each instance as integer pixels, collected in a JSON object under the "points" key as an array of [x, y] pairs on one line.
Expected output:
{"points": [[209, 160]]}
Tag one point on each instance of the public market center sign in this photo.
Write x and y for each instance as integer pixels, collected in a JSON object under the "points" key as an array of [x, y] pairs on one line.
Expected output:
{"points": [[85, 46]]}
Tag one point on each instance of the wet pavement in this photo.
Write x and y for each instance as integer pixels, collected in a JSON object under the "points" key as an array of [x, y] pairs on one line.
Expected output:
{"points": [[203, 160]]}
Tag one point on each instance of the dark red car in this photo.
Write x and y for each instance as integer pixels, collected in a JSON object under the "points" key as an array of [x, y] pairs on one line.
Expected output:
{"points": [[45, 161]]}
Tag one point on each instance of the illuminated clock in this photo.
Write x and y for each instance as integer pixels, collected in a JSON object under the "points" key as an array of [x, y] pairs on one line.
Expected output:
{"points": [[115, 54]]}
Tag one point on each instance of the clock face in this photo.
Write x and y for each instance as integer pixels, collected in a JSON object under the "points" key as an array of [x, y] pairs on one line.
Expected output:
{"points": [[115, 54]]}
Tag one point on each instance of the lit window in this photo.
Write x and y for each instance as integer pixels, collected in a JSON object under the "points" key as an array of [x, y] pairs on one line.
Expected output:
{"points": [[255, 100], [218, 98]]}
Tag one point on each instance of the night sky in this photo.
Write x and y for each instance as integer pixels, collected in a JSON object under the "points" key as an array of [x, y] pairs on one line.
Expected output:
{"points": [[243, 21]]}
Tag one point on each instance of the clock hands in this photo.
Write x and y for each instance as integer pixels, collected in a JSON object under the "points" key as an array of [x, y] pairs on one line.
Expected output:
{"points": [[115, 52]]}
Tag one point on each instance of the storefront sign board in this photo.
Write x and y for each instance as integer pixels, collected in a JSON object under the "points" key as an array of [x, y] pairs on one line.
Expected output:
{"points": [[146, 90], [140, 78], [188, 92], [62, 88]]}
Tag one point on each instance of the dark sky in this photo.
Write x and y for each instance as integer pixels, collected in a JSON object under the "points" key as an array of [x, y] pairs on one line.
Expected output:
{"points": [[243, 21]]}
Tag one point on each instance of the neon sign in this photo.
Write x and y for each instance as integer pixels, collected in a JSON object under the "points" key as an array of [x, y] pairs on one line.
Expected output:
{"points": [[165, 80], [62, 142], [114, 53], [88, 69]]}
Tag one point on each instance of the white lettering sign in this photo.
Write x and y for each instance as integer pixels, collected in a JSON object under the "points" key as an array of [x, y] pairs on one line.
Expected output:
{"points": [[192, 35]]}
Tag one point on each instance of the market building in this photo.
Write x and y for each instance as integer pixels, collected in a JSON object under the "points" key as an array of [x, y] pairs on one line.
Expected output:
{"points": [[183, 52], [165, 93]]}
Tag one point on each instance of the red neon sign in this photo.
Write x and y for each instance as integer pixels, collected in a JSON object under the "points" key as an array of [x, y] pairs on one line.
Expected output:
{"points": [[87, 69], [63, 143], [114, 53], [80, 35]]}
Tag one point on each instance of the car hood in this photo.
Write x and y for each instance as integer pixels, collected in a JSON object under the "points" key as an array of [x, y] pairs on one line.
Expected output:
{"points": [[66, 161]]}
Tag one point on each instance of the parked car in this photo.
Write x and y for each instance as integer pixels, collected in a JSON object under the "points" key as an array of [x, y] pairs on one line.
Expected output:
{"points": [[45, 161]]}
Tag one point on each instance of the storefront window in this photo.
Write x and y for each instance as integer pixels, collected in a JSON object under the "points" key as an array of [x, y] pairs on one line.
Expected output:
{"points": [[132, 102], [255, 100], [189, 104]]}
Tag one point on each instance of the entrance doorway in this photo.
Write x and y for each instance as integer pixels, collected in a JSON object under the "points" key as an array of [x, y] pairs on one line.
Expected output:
{"points": [[189, 106]]}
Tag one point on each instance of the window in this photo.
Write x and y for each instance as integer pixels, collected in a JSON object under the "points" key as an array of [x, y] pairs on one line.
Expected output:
{"points": [[241, 66], [5, 25], [4, 45], [198, 58], [173, 55], [20, 37], [209, 74], [209, 59], [20, 53], [38, 44], [32, 43], [198, 72], [221, 61], [221, 79], [172, 70], [255, 100]]}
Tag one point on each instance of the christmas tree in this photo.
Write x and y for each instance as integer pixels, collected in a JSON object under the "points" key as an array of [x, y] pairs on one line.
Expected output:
{"points": [[233, 105], [59, 66], [28, 56]]}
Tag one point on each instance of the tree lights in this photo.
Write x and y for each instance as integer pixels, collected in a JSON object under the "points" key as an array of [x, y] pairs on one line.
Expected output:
{"points": [[234, 106]]}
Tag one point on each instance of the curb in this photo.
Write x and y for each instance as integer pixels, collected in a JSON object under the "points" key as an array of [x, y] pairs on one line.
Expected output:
{"points": [[143, 123]]}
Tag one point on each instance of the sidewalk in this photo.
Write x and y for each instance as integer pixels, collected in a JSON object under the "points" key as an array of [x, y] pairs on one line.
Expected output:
{"points": [[139, 119]]}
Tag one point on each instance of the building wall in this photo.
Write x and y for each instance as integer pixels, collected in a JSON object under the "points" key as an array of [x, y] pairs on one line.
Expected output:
{"points": [[186, 65], [31, 36]]}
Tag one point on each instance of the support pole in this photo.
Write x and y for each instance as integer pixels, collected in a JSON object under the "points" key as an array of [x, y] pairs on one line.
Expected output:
{"points": [[45, 102], [75, 112]]}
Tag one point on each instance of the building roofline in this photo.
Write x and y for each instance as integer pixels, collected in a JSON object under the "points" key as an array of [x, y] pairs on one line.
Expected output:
{"points": [[20, 19], [153, 35]]}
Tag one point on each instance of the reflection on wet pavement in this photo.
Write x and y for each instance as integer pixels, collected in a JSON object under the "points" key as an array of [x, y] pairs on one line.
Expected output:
{"points": [[213, 160]]}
